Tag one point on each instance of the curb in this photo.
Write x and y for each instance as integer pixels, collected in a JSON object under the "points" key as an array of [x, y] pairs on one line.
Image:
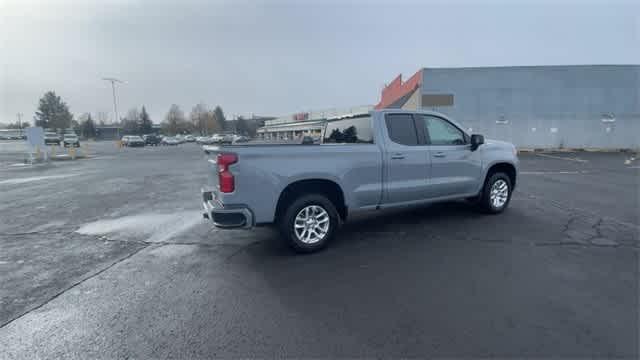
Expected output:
{"points": [[569, 150]]}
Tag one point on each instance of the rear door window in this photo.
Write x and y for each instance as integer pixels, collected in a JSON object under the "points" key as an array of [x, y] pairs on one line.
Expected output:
{"points": [[356, 130], [402, 129]]}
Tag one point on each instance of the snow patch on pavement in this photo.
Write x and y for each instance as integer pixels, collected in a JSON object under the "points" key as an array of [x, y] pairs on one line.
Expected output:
{"points": [[35, 178], [153, 227], [49, 225]]}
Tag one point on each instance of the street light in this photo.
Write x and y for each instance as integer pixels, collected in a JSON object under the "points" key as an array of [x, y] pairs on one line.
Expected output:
{"points": [[19, 115], [113, 82]]}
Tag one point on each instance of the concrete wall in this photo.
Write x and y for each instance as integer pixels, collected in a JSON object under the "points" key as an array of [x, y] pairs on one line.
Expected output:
{"points": [[413, 103], [594, 106]]}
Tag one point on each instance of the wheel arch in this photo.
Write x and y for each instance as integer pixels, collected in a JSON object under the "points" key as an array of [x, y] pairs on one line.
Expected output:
{"points": [[505, 167], [328, 188]]}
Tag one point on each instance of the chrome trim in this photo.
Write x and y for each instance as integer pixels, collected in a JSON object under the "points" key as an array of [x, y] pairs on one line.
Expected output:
{"points": [[214, 206]]}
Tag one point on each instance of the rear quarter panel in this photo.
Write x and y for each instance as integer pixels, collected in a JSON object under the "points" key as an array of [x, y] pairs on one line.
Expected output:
{"points": [[263, 172]]}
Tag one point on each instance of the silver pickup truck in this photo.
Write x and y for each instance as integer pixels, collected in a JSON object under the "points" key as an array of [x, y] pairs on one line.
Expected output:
{"points": [[381, 160]]}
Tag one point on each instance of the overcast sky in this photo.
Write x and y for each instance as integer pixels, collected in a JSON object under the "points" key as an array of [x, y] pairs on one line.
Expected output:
{"points": [[279, 57]]}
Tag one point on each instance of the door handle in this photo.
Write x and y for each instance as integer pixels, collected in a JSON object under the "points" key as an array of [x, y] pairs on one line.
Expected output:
{"points": [[397, 156], [439, 154]]}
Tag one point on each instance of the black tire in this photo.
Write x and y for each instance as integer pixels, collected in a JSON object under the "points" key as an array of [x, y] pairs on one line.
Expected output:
{"points": [[286, 223], [485, 202]]}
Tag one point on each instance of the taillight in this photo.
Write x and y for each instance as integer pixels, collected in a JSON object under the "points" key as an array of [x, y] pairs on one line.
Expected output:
{"points": [[226, 181]]}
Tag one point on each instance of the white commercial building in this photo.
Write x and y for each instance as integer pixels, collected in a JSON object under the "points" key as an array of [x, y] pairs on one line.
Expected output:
{"points": [[309, 123]]}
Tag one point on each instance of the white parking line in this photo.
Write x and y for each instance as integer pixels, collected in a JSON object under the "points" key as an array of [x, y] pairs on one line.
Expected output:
{"points": [[563, 158], [553, 172], [35, 178]]}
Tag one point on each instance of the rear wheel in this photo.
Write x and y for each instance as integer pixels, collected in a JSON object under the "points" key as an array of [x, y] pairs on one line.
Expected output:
{"points": [[309, 223], [496, 193]]}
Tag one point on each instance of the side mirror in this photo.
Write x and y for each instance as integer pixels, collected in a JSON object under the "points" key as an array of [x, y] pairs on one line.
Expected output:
{"points": [[476, 141]]}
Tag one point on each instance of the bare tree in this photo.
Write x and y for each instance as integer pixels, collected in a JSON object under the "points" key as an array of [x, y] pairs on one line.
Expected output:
{"points": [[130, 122], [83, 117], [175, 122], [102, 118], [198, 118]]}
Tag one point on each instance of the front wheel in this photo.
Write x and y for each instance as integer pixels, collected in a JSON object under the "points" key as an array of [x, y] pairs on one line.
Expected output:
{"points": [[309, 223], [496, 193]]}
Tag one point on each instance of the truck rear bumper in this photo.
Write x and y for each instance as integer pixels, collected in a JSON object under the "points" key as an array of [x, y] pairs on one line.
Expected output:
{"points": [[226, 217]]}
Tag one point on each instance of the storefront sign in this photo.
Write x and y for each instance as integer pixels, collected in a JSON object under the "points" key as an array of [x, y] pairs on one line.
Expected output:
{"points": [[301, 116]]}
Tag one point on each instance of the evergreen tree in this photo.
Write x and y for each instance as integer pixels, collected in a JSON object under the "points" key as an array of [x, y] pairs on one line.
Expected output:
{"points": [[242, 126], [219, 119], [53, 113], [146, 126]]}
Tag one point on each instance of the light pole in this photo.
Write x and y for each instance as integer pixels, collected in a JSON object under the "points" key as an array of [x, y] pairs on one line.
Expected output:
{"points": [[19, 116], [113, 82]]}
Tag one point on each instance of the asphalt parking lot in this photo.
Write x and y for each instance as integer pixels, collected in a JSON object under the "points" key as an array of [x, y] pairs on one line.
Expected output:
{"points": [[109, 257]]}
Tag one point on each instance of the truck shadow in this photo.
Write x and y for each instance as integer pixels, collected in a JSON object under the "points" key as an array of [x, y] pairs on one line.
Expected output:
{"points": [[383, 225]]}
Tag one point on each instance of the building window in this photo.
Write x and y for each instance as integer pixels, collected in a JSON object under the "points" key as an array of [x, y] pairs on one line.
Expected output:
{"points": [[433, 100]]}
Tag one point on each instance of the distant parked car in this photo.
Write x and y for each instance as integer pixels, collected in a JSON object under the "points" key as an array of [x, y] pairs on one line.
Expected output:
{"points": [[208, 140], [71, 140], [228, 138], [132, 141], [170, 141], [216, 138], [204, 140], [151, 140], [51, 138], [239, 139], [189, 138]]}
